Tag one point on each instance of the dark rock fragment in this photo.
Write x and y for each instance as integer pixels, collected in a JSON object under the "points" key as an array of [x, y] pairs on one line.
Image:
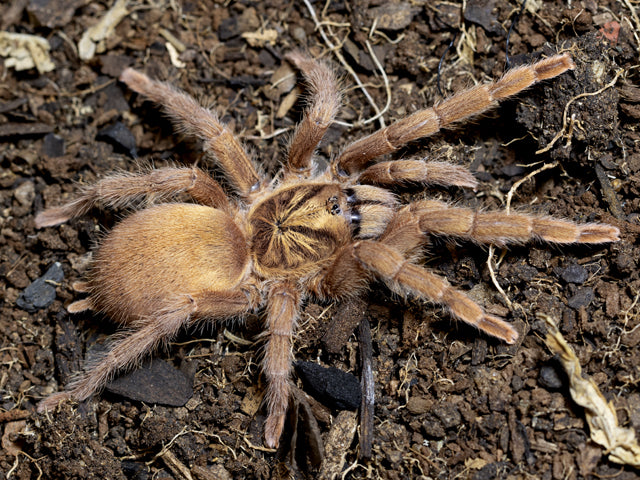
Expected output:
{"points": [[53, 13], [228, 29], [42, 291], [433, 427], [549, 378], [121, 137], [135, 470], [156, 381], [448, 414], [331, 386], [574, 273], [582, 298], [487, 472], [53, 145], [483, 13]]}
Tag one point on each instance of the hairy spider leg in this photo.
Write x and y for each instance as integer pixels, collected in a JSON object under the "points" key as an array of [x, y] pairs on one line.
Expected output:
{"points": [[324, 102], [465, 104], [202, 123], [361, 261], [404, 277], [129, 346], [501, 228], [283, 305], [123, 189], [398, 172]]}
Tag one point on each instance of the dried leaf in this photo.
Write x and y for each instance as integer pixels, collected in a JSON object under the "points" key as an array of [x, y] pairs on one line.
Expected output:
{"points": [[25, 51], [288, 102], [475, 463], [100, 31], [619, 442]]}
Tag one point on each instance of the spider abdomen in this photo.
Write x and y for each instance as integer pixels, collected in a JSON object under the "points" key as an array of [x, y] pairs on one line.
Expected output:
{"points": [[162, 252]]}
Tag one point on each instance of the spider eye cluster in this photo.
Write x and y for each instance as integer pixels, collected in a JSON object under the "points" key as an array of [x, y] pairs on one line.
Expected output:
{"points": [[333, 206]]}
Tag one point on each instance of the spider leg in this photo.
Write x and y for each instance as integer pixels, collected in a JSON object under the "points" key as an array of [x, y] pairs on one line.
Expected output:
{"points": [[499, 228], [144, 336], [200, 122], [403, 277], [467, 103], [355, 264], [342, 279], [283, 305], [322, 109], [417, 171], [123, 188]]}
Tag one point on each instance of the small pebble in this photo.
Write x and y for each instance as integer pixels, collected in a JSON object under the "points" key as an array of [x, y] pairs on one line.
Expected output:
{"points": [[483, 13], [120, 136], [513, 170], [488, 472], [582, 298], [433, 427], [574, 273], [393, 15], [549, 378], [228, 29], [53, 145], [419, 405], [42, 291], [299, 35], [25, 193], [448, 414]]}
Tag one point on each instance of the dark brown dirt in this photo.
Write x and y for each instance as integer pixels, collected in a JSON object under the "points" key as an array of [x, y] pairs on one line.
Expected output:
{"points": [[449, 403]]}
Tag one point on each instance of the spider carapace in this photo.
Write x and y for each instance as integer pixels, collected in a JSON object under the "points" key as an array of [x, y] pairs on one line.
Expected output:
{"points": [[294, 229], [297, 229], [306, 233]]}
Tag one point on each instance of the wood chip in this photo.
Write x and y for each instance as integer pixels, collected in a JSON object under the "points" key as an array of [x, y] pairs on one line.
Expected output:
{"points": [[88, 44], [24, 129], [337, 445], [368, 386]]}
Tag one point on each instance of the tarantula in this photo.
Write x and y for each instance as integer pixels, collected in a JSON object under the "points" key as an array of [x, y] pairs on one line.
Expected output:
{"points": [[307, 232]]}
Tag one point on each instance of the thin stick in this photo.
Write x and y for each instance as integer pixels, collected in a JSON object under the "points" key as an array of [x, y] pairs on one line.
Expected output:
{"points": [[495, 280], [387, 88], [368, 395], [515, 186], [634, 15]]}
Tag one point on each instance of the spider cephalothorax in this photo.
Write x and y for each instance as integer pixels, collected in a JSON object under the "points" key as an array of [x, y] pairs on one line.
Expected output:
{"points": [[308, 233], [297, 227]]}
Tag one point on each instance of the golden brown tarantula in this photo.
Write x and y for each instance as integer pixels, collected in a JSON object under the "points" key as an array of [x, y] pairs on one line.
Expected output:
{"points": [[307, 232]]}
